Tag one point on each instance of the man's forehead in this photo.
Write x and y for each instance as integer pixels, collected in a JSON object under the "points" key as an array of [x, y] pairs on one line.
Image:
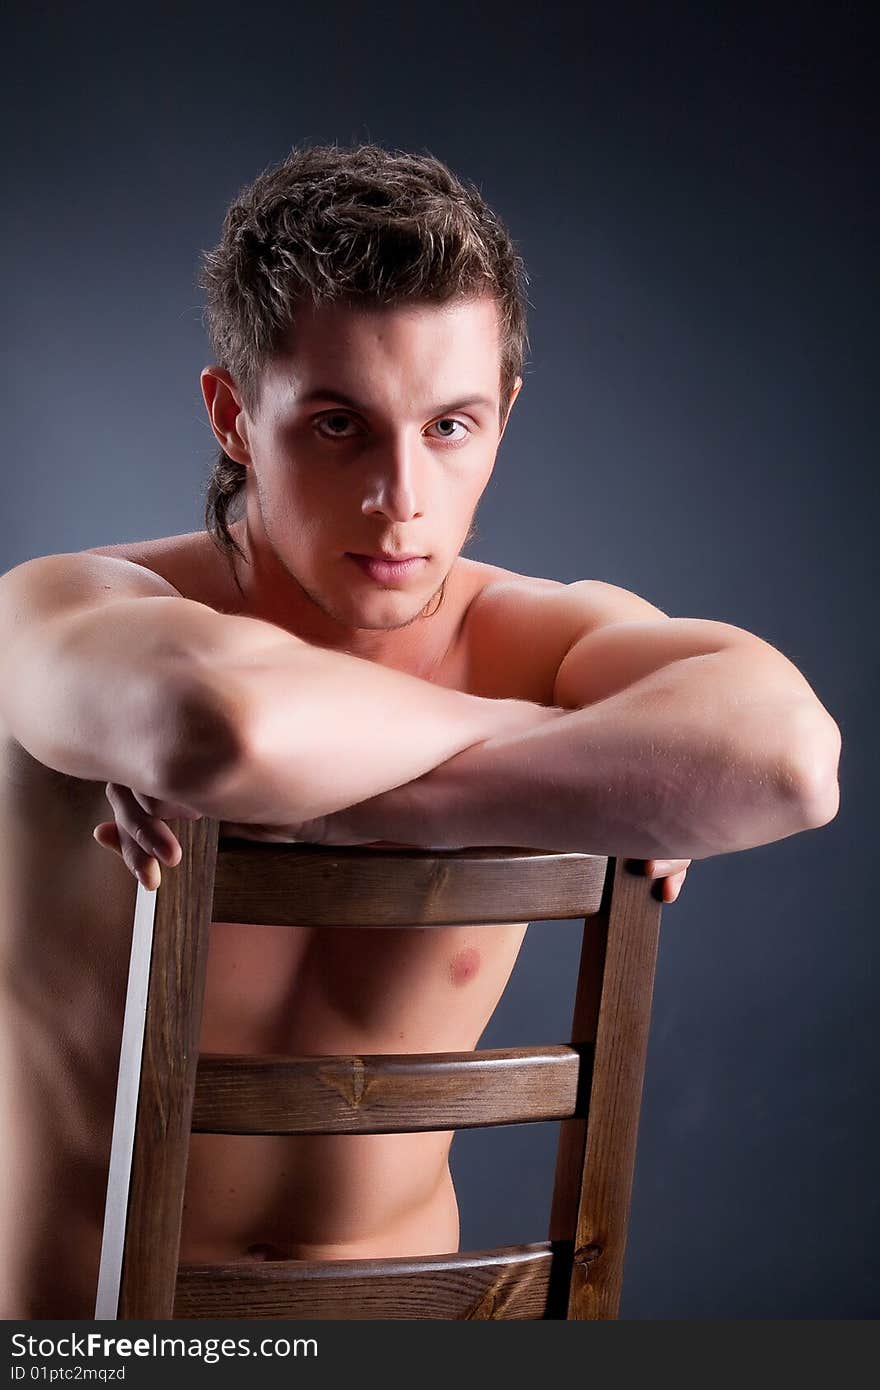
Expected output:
{"points": [[345, 346]]}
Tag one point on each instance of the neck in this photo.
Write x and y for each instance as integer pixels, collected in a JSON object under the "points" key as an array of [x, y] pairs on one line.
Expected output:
{"points": [[271, 593]]}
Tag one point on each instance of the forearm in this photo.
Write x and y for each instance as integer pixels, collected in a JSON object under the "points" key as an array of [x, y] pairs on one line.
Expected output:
{"points": [[679, 765], [316, 731]]}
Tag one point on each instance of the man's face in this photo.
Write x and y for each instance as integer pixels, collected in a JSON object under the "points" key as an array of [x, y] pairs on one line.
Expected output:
{"points": [[376, 431]]}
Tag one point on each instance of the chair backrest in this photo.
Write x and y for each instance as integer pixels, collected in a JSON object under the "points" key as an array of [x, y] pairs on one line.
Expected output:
{"points": [[166, 1090]]}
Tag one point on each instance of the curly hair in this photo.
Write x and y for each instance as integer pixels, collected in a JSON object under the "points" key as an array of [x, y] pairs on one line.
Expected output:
{"points": [[360, 225]]}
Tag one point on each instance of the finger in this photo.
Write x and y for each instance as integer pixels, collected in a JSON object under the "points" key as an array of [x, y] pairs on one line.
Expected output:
{"points": [[150, 815], [668, 889], [143, 866], [671, 889], [665, 868], [149, 832], [656, 868], [107, 836]]}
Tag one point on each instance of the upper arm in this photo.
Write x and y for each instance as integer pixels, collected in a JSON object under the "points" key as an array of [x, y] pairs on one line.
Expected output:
{"points": [[614, 656], [583, 642], [590, 669], [80, 637], [109, 673], [522, 628], [625, 645]]}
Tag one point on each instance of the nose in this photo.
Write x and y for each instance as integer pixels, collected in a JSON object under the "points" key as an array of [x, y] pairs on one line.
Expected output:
{"points": [[396, 484]]}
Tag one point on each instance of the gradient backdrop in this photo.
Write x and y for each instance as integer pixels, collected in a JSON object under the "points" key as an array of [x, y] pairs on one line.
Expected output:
{"points": [[695, 198]]}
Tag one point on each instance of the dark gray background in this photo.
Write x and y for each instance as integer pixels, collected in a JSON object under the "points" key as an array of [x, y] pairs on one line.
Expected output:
{"points": [[694, 198]]}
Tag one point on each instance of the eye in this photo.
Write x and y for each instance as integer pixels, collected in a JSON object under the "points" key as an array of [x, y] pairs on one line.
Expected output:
{"points": [[331, 419], [453, 439], [326, 426]]}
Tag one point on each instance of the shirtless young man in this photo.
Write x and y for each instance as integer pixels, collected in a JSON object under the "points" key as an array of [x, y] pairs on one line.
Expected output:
{"points": [[291, 690]]}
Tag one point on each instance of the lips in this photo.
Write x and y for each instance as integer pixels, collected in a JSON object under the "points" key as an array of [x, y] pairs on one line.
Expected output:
{"points": [[388, 572], [390, 558]]}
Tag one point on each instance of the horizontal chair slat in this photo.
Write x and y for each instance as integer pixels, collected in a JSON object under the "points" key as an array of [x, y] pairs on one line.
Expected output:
{"points": [[301, 885], [389, 1093], [513, 1282]]}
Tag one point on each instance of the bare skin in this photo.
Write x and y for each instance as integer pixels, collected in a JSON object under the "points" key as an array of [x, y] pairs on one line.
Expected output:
{"points": [[66, 903], [291, 990], [268, 990], [303, 991]]}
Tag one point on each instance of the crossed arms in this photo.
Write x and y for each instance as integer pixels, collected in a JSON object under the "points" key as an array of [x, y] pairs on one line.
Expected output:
{"points": [[682, 738], [669, 737]]}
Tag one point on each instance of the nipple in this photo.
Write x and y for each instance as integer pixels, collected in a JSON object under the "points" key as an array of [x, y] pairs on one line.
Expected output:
{"points": [[464, 965]]}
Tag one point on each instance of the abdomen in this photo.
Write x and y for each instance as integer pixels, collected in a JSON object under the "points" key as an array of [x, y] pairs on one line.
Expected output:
{"points": [[349, 991]]}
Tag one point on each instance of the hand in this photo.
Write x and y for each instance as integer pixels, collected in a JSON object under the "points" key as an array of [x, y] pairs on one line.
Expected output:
{"points": [[671, 874], [138, 833]]}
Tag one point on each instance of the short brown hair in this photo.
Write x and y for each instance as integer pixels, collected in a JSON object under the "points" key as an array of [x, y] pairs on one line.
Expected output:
{"points": [[358, 225]]}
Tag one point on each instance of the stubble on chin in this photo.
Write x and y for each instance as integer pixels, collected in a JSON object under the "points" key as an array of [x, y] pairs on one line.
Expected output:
{"points": [[428, 610]]}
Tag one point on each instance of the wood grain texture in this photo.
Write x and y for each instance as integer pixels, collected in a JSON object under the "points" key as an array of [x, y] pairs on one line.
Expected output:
{"points": [[596, 1155], [168, 1073], [316, 886], [513, 1282], [593, 1085], [385, 1094]]}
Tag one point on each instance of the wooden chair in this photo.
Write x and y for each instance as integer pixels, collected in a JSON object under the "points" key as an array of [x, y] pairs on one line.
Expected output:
{"points": [[167, 1090]]}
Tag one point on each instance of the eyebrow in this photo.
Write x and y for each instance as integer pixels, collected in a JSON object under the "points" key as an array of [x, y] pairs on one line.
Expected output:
{"points": [[329, 393]]}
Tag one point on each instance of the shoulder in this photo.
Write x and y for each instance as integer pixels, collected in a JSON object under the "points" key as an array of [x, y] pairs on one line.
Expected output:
{"points": [[46, 586], [47, 590], [191, 562], [519, 628], [179, 560]]}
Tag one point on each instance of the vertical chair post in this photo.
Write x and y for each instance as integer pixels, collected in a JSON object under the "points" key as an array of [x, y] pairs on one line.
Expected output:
{"points": [[596, 1154], [158, 1066]]}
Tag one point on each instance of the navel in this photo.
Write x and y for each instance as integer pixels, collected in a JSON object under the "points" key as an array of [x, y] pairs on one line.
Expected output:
{"points": [[464, 965]]}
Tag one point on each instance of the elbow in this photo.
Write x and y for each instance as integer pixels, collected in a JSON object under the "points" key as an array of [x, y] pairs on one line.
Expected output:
{"points": [[200, 741], [822, 801], [824, 809], [816, 760]]}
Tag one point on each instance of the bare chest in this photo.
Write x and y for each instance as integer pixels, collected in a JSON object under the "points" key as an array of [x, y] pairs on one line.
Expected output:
{"points": [[296, 989]]}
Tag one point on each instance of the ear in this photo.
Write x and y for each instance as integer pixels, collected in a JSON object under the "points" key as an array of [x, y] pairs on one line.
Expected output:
{"points": [[516, 390], [226, 413]]}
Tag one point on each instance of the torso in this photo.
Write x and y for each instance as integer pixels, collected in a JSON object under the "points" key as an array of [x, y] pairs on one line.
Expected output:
{"points": [[295, 990]]}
